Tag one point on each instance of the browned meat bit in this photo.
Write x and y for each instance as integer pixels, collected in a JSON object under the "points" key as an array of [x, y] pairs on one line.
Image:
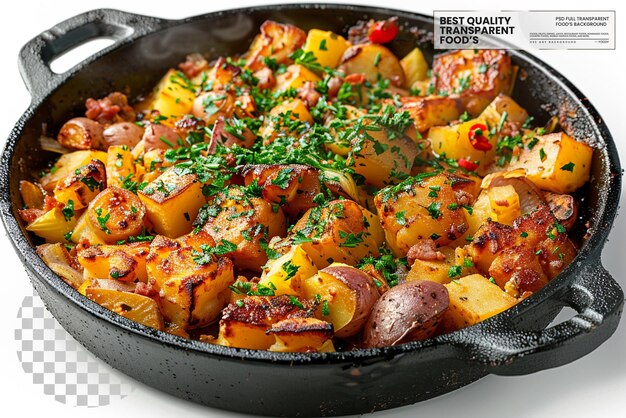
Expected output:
{"points": [[193, 65], [308, 94], [110, 109], [425, 249]]}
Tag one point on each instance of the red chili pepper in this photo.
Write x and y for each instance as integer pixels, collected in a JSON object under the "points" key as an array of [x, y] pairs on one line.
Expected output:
{"points": [[467, 164], [477, 137], [383, 31]]}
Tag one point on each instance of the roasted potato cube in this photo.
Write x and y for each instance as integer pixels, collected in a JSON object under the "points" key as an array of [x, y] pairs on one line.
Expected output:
{"points": [[506, 110], [275, 125], [491, 238], [422, 207], [286, 274], [327, 46], [454, 142], [477, 76], [246, 224], [415, 67], [504, 202], [373, 61], [342, 231], [381, 158], [347, 296], [517, 270], [408, 312], [173, 96], [125, 262], [291, 186], [120, 165], [52, 225], [189, 279], [277, 41], [302, 335], [116, 214], [434, 270], [473, 299], [246, 324], [430, 111], [172, 202], [62, 263], [67, 164], [294, 77], [135, 307], [82, 186], [557, 163]]}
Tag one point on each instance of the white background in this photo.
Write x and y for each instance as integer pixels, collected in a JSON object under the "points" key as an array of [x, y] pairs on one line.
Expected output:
{"points": [[592, 386]]}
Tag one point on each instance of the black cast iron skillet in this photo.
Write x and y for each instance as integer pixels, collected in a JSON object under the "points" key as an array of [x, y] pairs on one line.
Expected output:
{"points": [[291, 384]]}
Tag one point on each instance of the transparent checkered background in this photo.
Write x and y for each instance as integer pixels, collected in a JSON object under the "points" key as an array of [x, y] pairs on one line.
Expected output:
{"points": [[58, 363]]}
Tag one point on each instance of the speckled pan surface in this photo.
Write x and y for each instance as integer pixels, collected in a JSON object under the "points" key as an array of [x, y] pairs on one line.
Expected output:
{"points": [[291, 384]]}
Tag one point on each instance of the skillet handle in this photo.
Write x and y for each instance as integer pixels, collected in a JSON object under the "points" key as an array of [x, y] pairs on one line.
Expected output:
{"points": [[35, 57], [505, 350]]}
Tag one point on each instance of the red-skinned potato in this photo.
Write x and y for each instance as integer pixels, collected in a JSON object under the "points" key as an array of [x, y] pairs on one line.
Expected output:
{"points": [[159, 136], [408, 312], [81, 134], [123, 133], [347, 295]]}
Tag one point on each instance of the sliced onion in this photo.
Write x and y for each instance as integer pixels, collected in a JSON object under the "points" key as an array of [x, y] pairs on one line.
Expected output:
{"points": [[52, 145], [343, 183]]}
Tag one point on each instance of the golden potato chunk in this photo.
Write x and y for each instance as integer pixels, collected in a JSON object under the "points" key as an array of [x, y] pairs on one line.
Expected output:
{"points": [[476, 76], [82, 186], [276, 41], [172, 202], [67, 164], [557, 163], [342, 231], [422, 207], [304, 335], [430, 111], [286, 274], [473, 299], [125, 262], [327, 46], [173, 96], [245, 223], [373, 61]]}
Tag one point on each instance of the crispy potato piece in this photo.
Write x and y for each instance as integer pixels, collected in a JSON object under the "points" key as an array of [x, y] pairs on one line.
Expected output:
{"points": [[120, 165], [415, 67], [505, 205], [247, 223], [342, 231], [434, 270], [473, 299], [302, 335], [291, 186], [511, 122], [189, 279], [381, 158], [453, 142], [327, 46], [173, 97], [420, 208], [291, 110], [246, 324], [85, 233], [374, 61], [557, 163], [276, 41], [294, 77], [408, 312], [125, 262], [287, 273], [83, 185], [172, 202], [477, 76], [491, 238], [430, 111], [67, 164], [347, 296], [116, 214], [135, 307]]}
